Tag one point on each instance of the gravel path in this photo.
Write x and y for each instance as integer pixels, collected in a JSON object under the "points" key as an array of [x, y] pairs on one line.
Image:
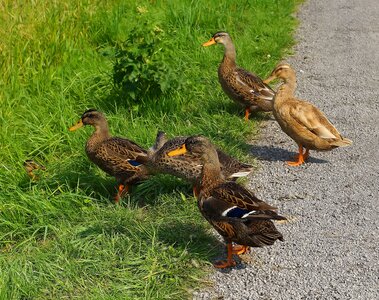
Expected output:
{"points": [[331, 248]]}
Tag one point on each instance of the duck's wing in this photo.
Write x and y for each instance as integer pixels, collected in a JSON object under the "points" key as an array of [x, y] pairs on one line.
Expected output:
{"points": [[236, 195], [254, 85], [312, 119]]}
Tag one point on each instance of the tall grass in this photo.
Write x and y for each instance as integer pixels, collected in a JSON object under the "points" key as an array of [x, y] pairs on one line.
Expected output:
{"points": [[61, 236]]}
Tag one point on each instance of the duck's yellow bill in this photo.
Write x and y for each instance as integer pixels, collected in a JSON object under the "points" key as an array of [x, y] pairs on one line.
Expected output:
{"points": [[209, 43], [178, 151], [269, 79], [76, 126]]}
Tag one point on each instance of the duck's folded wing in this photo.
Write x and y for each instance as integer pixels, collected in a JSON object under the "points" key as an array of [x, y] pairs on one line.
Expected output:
{"points": [[313, 120], [119, 160], [124, 147], [218, 209], [254, 84], [234, 194]]}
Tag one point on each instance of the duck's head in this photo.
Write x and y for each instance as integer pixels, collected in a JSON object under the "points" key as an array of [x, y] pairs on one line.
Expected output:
{"points": [[89, 117], [282, 71], [197, 145], [220, 37]]}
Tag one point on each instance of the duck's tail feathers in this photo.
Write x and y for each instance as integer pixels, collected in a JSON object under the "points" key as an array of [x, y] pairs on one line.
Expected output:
{"points": [[244, 170], [268, 238], [240, 174], [344, 142]]}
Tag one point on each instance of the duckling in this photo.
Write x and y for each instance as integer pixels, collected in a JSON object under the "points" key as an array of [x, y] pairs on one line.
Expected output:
{"points": [[240, 85], [114, 155], [301, 120], [235, 212], [30, 166]]}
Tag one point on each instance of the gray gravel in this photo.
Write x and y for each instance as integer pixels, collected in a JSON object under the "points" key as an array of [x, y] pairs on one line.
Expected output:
{"points": [[331, 248]]}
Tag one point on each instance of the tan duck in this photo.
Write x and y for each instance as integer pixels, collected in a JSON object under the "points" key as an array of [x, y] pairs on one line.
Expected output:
{"points": [[114, 155], [301, 120], [188, 165], [31, 166], [240, 85], [235, 212]]}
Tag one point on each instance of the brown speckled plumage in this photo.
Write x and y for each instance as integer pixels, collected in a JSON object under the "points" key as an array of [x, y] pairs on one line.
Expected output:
{"points": [[188, 166], [242, 86], [114, 155], [31, 166], [217, 197]]}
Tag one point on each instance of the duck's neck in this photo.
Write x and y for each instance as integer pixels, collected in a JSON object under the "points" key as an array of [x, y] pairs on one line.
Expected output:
{"points": [[211, 173], [286, 90], [101, 134], [229, 54]]}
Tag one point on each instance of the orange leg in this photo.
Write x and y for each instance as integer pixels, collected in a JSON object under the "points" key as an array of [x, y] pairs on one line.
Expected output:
{"points": [[306, 154], [247, 114], [195, 191], [226, 263], [240, 249], [300, 157], [122, 190]]}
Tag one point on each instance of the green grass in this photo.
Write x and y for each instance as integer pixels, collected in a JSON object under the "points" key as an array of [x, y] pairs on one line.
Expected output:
{"points": [[62, 237]]}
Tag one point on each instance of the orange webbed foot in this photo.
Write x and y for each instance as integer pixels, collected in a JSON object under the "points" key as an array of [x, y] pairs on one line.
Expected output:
{"points": [[300, 158], [240, 249], [295, 163], [222, 264]]}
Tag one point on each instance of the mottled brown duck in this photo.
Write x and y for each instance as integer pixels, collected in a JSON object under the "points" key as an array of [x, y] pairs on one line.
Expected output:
{"points": [[114, 155], [301, 120], [235, 212], [240, 85], [31, 166], [188, 165]]}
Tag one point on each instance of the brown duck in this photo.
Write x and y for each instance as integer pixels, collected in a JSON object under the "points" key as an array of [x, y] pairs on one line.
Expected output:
{"points": [[114, 155], [235, 212], [301, 120], [31, 166], [188, 165], [240, 85]]}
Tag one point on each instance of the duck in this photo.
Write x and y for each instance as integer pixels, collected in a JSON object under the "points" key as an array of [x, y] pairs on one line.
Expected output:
{"points": [[30, 166], [302, 121], [114, 155], [240, 85], [188, 165], [233, 211]]}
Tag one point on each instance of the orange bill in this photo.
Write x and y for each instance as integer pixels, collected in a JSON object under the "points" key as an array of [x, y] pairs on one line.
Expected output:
{"points": [[269, 79], [179, 151], [209, 43], [76, 126]]}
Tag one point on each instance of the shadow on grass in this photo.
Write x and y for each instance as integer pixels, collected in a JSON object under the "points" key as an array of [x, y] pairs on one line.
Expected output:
{"points": [[270, 153], [86, 178], [198, 241], [183, 235]]}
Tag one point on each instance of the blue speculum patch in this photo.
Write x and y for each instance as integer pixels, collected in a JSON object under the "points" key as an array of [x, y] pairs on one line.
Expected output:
{"points": [[134, 163]]}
